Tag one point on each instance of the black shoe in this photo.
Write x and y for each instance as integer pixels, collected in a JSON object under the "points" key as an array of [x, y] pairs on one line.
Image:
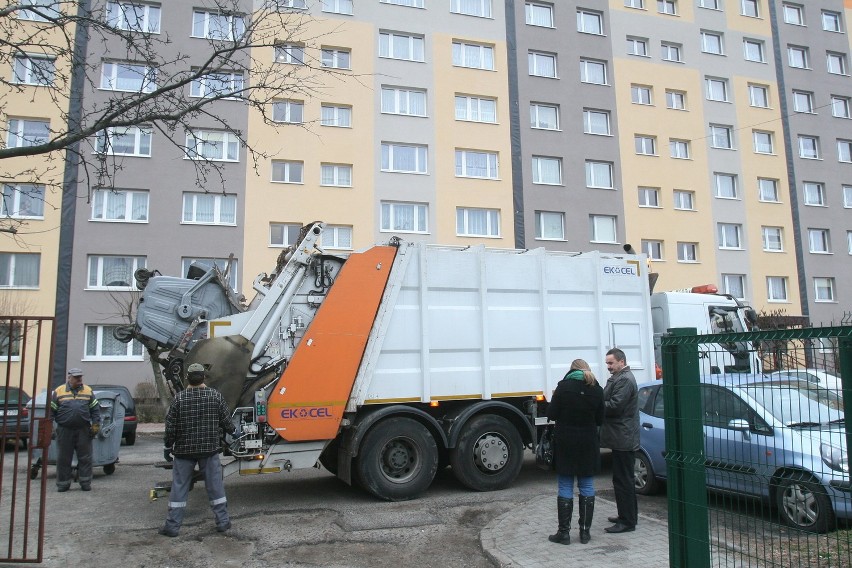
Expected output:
{"points": [[86, 487], [62, 489], [223, 528], [614, 520], [165, 532], [619, 528]]}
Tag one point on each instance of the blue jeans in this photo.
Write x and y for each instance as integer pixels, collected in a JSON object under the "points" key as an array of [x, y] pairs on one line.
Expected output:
{"points": [[586, 485]]}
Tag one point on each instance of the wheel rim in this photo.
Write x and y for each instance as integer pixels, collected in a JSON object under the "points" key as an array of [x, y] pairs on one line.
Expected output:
{"points": [[490, 453], [400, 460], [800, 505], [640, 473]]}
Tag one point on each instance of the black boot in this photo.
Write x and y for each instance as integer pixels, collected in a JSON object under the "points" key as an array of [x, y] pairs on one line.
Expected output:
{"points": [[564, 509], [587, 511]]}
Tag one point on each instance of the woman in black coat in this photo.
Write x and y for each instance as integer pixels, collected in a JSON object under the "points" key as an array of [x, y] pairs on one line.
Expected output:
{"points": [[577, 407]]}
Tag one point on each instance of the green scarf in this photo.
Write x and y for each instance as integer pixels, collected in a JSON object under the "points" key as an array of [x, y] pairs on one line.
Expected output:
{"points": [[576, 375]]}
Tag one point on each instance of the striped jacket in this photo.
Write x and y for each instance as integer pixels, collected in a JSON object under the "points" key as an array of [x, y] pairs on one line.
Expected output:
{"points": [[75, 408]]}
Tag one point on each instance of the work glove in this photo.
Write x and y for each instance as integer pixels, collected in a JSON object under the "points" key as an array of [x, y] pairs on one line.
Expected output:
{"points": [[167, 454], [94, 429]]}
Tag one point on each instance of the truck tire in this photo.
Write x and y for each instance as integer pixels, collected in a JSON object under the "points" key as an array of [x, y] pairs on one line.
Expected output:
{"points": [[397, 459], [328, 457], [489, 453]]}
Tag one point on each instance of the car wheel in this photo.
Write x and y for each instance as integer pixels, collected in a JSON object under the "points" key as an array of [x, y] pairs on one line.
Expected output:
{"points": [[643, 472], [130, 439], [803, 504]]}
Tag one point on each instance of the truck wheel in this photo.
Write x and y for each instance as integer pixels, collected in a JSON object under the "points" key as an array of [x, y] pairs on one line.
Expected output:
{"points": [[489, 453], [397, 459]]}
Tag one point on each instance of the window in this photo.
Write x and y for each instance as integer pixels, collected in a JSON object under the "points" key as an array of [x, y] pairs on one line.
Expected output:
{"points": [[667, 7], [291, 112], [649, 197], [840, 107], [336, 175], [831, 21], [481, 8], [794, 14], [596, 122], [120, 205], [684, 200], [212, 145], [603, 229], [675, 100], [730, 236], [113, 271], [819, 241], [286, 4], [768, 189], [751, 8], [404, 158], [102, 344], [337, 7], [125, 141], [836, 63], [284, 171], [133, 17], [11, 333], [646, 145], [679, 149], [472, 222], [27, 132], [39, 11], [654, 249], [710, 4], [217, 85], [734, 284], [593, 72], [336, 237], [33, 70], [637, 46], [547, 170], [823, 289], [758, 96], [753, 50], [776, 288], [476, 109], [221, 263], [476, 164], [19, 270], [539, 14], [803, 101], [401, 46], [687, 252], [711, 42], [717, 89], [726, 185], [336, 115], [130, 77], [209, 209], [638, 4], [405, 217], [475, 56], [847, 196], [336, 58], [550, 225], [411, 102], [809, 147], [217, 25], [589, 22], [544, 116], [640, 95], [844, 150], [599, 175], [292, 53], [797, 57], [849, 241], [284, 234], [814, 193], [721, 136], [409, 3], [772, 239], [763, 142], [672, 52], [544, 65]]}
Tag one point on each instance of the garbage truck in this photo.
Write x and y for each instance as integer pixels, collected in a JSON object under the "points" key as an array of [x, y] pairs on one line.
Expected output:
{"points": [[386, 364]]}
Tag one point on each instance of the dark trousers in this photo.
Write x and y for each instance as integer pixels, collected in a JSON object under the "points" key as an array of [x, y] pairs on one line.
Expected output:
{"points": [[623, 483], [69, 441]]}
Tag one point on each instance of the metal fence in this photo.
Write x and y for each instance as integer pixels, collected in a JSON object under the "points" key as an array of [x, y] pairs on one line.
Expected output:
{"points": [[767, 438]]}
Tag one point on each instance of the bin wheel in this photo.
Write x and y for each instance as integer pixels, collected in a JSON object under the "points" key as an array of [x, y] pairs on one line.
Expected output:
{"points": [[34, 471], [109, 468]]}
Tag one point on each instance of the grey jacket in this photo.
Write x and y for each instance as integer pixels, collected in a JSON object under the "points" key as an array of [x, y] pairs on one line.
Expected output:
{"points": [[621, 422]]}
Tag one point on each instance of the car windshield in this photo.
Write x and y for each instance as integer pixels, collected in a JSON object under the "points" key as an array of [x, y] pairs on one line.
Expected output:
{"points": [[798, 405], [13, 397]]}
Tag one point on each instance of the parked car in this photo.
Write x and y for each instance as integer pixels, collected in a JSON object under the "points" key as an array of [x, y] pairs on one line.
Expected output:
{"points": [[130, 421], [782, 441], [818, 377], [14, 416]]}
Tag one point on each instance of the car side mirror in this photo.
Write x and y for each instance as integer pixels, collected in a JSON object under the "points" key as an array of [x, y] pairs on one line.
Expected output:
{"points": [[739, 424]]}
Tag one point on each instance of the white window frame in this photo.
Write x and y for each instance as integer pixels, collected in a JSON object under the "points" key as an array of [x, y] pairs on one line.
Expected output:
{"points": [[202, 28], [288, 233], [773, 238], [776, 289], [722, 136], [819, 241], [541, 226], [289, 168], [536, 114], [597, 228], [645, 145], [649, 197], [811, 189], [687, 252], [593, 119], [199, 141], [338, 237], [288, 111], [762, 195], [847, 196], [750, 8], [725, 191], [836, 63], [671, 52], [403, 101], [415, 51], [473, 55], [463, 222], [798, 57], [684, 200], [749, 45], [465, 169], [840, 106], [729, 241], [844, 151], [590, 22], [343, 7], [753, 90], [406, 3], [476, 109], [535, 61], [805, 97], [653, 248], [712, 42], [421, 157], [710, 4], [225, 84], [637, 46], [339, 174], [23, 132], [668, 7], [586, 65], [335, 116], [592, 167], [679, 149], [134, 350], [764, 141], [146, 17], [537, 170], [531, 9], [51, 9], [734, 285], [712, 86], [636, 4], [476, 8], [15, 276], [675, 100], [641, 94], [336, 58], [142, 137], [110, 71], [221, 204], [34, 70], [794, 14], [831, 21], [289, 53], [97, 278], [809, 147], [824, 289], [106, 204], [389, 217]]}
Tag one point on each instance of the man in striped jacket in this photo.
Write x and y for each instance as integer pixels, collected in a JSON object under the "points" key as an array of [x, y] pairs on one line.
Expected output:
{"points": [[77, 413]]}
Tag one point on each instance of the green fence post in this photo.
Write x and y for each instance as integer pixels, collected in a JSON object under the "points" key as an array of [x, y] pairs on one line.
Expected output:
{"points": [[689, 527], [844, 354]]}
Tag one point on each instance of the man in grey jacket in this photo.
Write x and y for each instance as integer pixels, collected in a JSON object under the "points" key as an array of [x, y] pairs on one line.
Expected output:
{"points": [[620, 432]]}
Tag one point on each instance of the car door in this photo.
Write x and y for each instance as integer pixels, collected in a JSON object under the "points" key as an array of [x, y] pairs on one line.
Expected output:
{"points": [[652, 428]]}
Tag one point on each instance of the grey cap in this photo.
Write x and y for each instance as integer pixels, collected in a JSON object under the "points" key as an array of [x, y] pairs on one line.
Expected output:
{"points": [[75, 372], [196, 368]]}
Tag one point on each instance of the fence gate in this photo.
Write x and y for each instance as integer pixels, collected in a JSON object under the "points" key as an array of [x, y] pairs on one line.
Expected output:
{"points": [[26, 361]]}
